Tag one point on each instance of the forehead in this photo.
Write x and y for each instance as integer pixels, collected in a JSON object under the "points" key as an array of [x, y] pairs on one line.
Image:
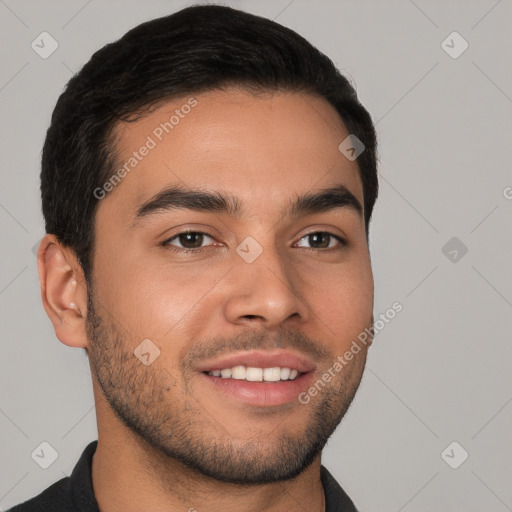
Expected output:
{"points": [[263, 149]]}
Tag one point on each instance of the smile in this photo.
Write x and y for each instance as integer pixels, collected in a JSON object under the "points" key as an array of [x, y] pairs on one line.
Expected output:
{"points": [[252, 374]]}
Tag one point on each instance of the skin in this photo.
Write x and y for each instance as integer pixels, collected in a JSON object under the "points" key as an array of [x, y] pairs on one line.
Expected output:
{"points": [[161, 427]]}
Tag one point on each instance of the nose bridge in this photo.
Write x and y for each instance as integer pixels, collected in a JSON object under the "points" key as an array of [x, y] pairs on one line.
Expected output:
{"points": [[264, 285]]}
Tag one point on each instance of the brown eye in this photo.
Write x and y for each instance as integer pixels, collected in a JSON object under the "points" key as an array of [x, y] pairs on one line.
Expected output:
{"points": [[322, 240], [189, 240]]}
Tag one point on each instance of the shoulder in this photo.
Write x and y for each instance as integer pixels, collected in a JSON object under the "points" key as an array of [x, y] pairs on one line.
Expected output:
{"points": [[73, 493], [56, 498]]}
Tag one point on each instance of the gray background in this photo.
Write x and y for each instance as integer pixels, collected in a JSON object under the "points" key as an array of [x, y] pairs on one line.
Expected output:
{"points": [[440, 371]]}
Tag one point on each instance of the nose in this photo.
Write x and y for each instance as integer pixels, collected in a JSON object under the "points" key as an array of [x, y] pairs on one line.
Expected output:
{"points": [[266, 292]]}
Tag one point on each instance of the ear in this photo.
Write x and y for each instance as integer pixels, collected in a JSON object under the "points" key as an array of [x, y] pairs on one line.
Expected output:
{"points": [[63, 291]]}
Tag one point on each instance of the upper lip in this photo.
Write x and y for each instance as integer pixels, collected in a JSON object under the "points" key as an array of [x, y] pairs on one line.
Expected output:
{"points": [[261, 359]]}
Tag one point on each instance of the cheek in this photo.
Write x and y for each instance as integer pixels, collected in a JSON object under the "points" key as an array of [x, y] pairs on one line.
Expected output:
{"points": [[344, 303], [145, 296], [159, 303]]}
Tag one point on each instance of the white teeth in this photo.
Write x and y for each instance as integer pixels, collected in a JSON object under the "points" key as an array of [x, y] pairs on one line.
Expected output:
{"points": [[285, 373], [252, 374], [272, 374], [238, 372]]}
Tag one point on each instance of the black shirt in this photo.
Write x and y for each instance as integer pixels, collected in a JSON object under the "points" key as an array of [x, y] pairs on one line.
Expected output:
{"points": [[75, 493]]}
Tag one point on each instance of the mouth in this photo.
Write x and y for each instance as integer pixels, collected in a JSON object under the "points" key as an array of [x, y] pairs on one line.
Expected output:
{"points": [[260, 378]]}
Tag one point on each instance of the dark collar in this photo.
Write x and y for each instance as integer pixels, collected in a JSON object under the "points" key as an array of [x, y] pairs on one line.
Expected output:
{"points": [[336, 499], [81, 481]]}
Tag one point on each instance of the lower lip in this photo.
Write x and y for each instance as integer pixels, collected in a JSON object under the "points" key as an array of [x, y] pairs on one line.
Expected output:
{"points": [[262, 393]]}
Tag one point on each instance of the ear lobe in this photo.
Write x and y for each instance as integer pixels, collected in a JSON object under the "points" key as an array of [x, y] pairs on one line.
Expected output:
{"points": [[63, 291]]}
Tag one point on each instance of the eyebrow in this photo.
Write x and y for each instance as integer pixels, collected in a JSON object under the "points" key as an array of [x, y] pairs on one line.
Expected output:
{"points": [[181, 197]]}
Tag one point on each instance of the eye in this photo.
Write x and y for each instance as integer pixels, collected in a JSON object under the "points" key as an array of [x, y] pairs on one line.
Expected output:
{"points": [[323, 240], [197, 241], [188, 241]]}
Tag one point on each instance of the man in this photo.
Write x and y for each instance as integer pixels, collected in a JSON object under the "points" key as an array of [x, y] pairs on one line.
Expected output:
{"points": [[207, 185]]}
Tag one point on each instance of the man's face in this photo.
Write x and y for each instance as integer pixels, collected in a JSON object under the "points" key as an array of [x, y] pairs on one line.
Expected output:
{"points": [[261, 281]]}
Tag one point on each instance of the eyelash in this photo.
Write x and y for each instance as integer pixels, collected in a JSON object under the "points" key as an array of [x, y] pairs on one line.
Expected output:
{"points": [[167, 245]]}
